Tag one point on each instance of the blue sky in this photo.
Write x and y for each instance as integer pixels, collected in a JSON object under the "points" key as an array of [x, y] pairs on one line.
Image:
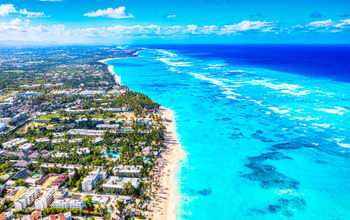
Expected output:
{"points": [[180, 21]]}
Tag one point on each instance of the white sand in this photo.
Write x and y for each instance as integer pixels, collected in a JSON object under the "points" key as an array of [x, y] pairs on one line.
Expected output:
{"points": [[163, 205], [111, 70]]}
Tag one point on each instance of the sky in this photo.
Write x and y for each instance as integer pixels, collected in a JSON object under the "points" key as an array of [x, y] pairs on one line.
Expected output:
{"points": [[175, 21]]}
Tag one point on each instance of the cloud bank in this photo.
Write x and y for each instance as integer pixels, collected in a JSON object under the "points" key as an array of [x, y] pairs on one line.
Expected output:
{"points": [[110, 13]]}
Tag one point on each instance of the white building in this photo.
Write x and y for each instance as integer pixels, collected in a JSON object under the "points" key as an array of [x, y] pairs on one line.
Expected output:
{"points": [[117, 183], [107, 126], [42, 140], [26, 147], [83, 151], [27, 198], [97, 140], [69, 203], [46, 199], [86, 132], [125, 170], [14, 142], [89, 181]]}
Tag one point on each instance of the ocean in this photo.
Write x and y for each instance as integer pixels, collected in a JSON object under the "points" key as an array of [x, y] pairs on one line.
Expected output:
{"points": [[266, 128]]}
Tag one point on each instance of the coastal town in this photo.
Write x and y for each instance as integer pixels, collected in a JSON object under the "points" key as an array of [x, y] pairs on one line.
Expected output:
{"points": [[75, 142]]}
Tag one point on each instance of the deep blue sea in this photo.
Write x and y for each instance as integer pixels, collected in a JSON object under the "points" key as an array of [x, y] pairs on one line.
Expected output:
{"points": [[266, 128]]}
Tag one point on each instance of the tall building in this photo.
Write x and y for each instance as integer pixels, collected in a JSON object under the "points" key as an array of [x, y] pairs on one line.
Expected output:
{"points": [[27, 198], [46, 199], [89, 181]]}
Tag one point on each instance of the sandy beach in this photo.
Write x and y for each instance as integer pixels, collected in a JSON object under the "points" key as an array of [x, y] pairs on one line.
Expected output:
{"points": [[110, 69], [163, 204]]}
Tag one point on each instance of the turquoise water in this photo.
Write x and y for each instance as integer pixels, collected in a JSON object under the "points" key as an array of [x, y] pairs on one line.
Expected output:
{"points": [[114, 155], [260, 144]]}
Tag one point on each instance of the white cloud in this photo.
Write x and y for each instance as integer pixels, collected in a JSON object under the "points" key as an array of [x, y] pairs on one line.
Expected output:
{"points": [[343, 24], [31, 14], [6, 9], [110, 13], [323, 23], [246, 26], [171, 16]]}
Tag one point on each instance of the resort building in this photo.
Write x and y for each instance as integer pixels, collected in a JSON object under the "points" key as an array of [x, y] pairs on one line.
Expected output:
{"points": [[15, 142], [61, 193], [107, 126], [42, 140], [26, 147], [86, 132], [46, 199], [97, 140], [125, 170], [69, 203], [115, 110], [27, 198], [117, 183], [89, 181]]}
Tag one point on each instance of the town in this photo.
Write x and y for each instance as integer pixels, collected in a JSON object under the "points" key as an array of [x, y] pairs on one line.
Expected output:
{"points": [[75, 144]]}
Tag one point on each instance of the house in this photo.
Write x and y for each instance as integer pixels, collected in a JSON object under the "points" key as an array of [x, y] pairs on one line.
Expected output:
{"points": [[22, 174], [22, 164], [6, 215], [35, 215], [34, 155]]}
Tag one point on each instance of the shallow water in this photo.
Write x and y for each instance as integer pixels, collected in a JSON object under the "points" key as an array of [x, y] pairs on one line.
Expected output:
{"points": [[261, 143]]}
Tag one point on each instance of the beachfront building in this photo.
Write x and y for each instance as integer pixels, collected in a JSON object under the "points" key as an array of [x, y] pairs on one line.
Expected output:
{"points": [[117, 183], [27, 198], [126, 170], [89, 181], [69, 203], [46, 199]]}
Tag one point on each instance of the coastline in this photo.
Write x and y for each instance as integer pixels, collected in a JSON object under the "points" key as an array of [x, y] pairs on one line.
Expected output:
{"points": [[110, 70], [163, 204]]}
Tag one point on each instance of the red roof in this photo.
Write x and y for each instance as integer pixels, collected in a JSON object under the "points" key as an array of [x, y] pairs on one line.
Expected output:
{"points": [[2, 216], [52, 217], [62, 217]]}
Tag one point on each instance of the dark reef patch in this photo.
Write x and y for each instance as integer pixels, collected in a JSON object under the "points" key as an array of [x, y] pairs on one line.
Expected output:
{"points": [[287, 206], [267, 175], [205, 192]]}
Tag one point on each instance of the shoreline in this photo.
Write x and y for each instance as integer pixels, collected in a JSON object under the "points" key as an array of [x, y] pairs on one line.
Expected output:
{"points": [[111, 70], [163, 204]]}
